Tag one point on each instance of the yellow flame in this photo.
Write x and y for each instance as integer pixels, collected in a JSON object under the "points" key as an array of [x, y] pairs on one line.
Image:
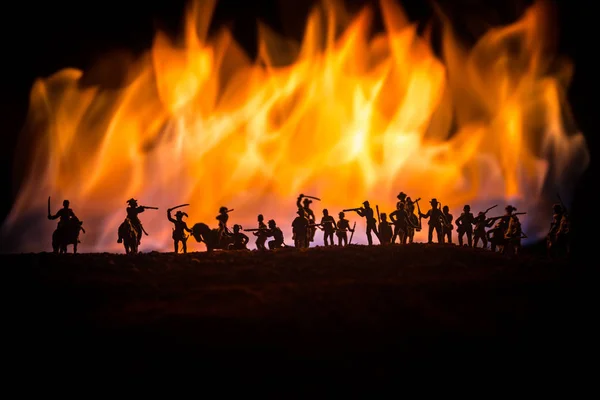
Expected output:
{"points": [[344, 117]]}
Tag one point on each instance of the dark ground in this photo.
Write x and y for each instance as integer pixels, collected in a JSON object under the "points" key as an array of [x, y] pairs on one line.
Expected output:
{"points": [[354, 315]]}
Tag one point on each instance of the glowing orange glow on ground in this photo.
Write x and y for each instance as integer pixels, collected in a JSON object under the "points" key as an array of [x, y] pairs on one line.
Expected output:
{"points": [[356, 116]]}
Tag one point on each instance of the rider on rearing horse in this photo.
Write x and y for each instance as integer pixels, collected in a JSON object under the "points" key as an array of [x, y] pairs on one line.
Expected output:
{"points": [[132, 215], [65, 214]]}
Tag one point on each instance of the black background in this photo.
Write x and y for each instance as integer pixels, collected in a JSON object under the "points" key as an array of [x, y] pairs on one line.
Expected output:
{"points": [[41, 38]]}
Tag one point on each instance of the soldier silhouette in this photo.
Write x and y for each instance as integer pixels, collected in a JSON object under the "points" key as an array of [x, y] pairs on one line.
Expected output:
{"points": [[303, 203], [276, 234], [261, 234], [435, 221], [399, 219], [133, 210], [240, 240], [223, 217], [412, 221], [385, 230], [464, 225], [343, 227], [300, 229], [65, 214], [179, 231], [447, 227], [328, 226], [513, 234], [367, 213], [557, 239], [481, 223], [496, 235]]}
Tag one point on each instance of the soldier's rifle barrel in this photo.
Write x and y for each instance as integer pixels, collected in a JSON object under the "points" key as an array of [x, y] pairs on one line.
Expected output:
{"points": [[256, 229], [150, 208], [492, 207], [352, 209], [507, 216]]}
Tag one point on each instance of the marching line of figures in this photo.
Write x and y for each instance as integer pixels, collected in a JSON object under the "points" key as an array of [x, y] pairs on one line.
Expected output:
{"points": [[503, 232]]}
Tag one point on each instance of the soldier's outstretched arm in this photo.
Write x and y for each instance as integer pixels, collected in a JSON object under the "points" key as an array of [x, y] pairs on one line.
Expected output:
{"points": [[299, 201], [169, 217], [426, 215], [186, 228], [55, 216]]}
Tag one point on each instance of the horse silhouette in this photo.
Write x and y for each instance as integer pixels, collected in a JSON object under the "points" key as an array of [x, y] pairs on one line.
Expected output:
{"points": [[129, 235], [203, 233], [66, 235]]}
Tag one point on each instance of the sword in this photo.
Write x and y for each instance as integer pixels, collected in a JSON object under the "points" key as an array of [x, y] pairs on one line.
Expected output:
{"points": [[179, 206], [312, 197], [352, 234]]}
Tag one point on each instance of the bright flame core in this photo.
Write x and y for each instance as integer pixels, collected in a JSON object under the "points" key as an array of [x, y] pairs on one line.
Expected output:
{"points": [[355, 116]]}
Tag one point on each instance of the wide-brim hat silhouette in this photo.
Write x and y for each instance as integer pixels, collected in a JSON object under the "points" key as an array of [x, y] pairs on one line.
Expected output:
{"points": [[132, 200], [366, 202], [180, 214], [433, 201], [510, 208], [467, 207], [307, 201], [481, 213], [223, 209], [401, 196]]}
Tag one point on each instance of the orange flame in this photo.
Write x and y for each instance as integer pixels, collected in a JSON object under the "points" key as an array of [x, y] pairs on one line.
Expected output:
{"points": [[352, 117]]}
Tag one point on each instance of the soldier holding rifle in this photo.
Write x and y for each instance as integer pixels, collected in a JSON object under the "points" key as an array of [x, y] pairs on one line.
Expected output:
{"points": [[481, 222], [343, 226], [435, 221], [261, 233], [497, 235], [367, 212], [328, 226], [133, 210]]}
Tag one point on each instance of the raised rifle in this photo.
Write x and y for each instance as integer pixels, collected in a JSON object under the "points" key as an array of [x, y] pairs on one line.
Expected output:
{"points": [[492, 207], [353, 209], [419, 209], [352, 233], [505, 216], [444, 221]]}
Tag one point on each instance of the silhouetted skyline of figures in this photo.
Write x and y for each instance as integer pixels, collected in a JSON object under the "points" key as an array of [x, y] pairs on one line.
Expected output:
{"points": [[503, 233]]}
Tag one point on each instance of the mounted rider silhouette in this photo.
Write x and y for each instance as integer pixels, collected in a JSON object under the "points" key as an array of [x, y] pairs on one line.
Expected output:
{"points": [[132, 215], [65, 214]]}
